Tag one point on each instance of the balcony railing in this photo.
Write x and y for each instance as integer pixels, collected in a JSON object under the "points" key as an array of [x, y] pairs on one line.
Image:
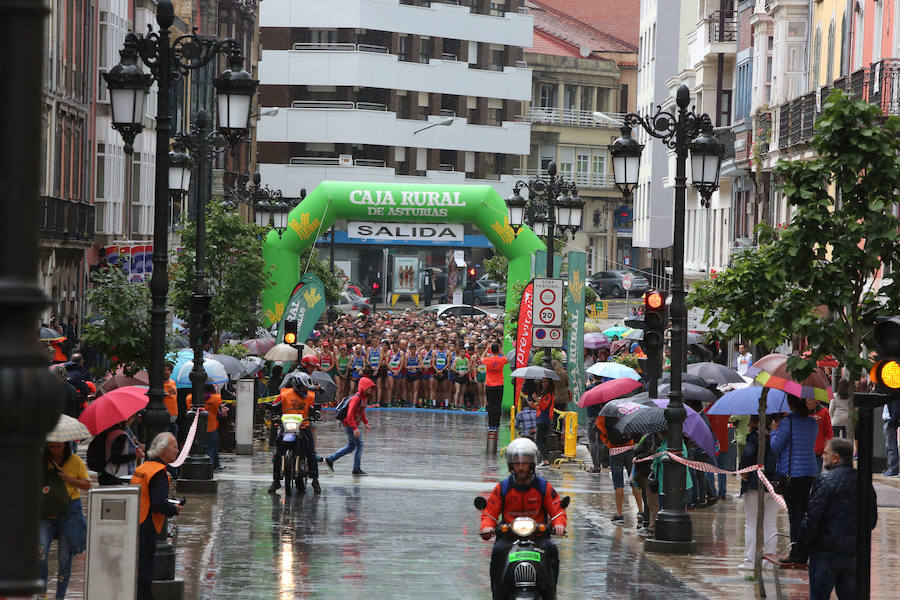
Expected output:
{"points": [[581, 179], [67, 220], [723, 26], [858, 86], [337, 47], [884, 85], [571, 117]]}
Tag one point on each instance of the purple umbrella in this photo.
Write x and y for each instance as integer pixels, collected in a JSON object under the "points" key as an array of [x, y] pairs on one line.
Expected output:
{"points": [[694, 427], [596, 341]]}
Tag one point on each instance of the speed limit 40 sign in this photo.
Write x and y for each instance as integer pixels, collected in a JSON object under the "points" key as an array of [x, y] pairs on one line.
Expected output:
{"points": [[548, 303]]}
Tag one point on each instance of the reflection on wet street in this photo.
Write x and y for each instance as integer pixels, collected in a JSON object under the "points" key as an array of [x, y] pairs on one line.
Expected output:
{"points": [[409, 529]]}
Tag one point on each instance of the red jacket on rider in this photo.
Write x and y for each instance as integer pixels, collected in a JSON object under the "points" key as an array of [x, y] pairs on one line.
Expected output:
{"points": [[528, 503]]}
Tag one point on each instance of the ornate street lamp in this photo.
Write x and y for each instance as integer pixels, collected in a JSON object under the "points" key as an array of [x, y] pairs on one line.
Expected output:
{"points": [[167, 62], [626, 159], [180, 165], [682, 132], [552, 204]]}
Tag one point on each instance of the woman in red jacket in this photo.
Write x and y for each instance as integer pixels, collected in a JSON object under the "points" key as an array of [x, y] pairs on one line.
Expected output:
{"points": [[356, 414]]}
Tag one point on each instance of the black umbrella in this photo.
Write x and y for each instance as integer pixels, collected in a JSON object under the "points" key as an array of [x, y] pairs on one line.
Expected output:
{"points": [[715, 372], [690, 392], [327, 385], [648, 420], [689, 378]]}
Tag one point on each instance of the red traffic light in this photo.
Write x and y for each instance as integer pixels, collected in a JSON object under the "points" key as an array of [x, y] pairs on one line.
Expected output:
{"points": [[654, 300], [375, 285]]}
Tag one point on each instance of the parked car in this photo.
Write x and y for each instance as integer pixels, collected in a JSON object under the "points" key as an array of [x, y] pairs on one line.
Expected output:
{"points": [[453, 310], [352, 303], [609, 283], [484, 291]]}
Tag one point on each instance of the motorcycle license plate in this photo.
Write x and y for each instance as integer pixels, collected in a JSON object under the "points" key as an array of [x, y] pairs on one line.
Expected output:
{"points": [[525, 555]]}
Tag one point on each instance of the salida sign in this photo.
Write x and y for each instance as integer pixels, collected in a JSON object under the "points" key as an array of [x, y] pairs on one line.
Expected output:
{"points": [[447, 233], [408, 204]]}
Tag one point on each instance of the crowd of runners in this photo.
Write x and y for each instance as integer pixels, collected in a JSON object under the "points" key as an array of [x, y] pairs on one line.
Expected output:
{"points": [[415, 359]]}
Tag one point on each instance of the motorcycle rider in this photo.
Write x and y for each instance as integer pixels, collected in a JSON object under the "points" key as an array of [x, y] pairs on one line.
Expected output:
{"points": [[298, 399], [523, 499]]}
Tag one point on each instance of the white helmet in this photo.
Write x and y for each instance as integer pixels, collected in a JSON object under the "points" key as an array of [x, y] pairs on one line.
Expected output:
{"points": [[521, 448]]}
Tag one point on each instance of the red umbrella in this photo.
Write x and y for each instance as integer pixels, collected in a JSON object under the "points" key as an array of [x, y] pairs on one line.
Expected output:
{"points": [[608, 390], [114, 407]]}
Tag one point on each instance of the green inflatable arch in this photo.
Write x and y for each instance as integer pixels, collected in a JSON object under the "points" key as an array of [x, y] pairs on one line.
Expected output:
{"points": [[391, 203]]}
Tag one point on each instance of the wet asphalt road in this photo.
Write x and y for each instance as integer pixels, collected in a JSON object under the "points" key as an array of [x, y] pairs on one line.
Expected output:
{"points": [[407, 530]]}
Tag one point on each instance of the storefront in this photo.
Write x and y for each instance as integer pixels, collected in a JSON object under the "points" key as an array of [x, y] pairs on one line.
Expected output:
{"points": [[396, 254]]}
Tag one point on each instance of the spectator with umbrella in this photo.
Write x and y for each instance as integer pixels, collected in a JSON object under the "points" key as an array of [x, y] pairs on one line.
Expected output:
{"points": [[542, 401]]}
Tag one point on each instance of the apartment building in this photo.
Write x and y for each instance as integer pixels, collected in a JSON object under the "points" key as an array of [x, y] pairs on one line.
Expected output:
{"points": [[584, 79], [67, 220], [662, 26], [358, 83]]}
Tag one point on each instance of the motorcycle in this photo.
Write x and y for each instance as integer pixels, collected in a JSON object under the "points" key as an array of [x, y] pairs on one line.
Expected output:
{"points": [[293, 462], [527, 575]]}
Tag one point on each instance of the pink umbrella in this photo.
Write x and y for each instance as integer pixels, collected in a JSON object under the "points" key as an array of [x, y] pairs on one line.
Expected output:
{"points": [[259, 346], [596, 341], [114, 407], [608, 390]]}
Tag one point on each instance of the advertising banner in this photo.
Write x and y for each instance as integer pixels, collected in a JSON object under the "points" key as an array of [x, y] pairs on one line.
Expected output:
{"points": [[523, 333], [575, 307], [406, 275], [306, 305], [449, 233]]}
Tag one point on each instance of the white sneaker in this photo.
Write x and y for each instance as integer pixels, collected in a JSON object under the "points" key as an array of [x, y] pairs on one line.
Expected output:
{"points": [[746, 566]]}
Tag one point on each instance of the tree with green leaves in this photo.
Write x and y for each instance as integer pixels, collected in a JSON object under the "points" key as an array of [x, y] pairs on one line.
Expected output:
{"points": [[122, 333], [235, 272]]}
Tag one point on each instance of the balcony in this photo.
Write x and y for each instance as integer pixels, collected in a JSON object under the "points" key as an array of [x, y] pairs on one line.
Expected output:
{"points": [[570, 117], [604, 181], [796, 120], [722, 26], [67, 220], [371, 124], [440, 19], [884, 85], [337, 65]]}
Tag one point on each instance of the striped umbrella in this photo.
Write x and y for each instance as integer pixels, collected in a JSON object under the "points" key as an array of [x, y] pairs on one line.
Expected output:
{"points": [[771, 371], [259, 346]]}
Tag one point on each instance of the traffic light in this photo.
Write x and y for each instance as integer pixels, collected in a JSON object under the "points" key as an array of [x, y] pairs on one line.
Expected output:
{"points": [[201, 317], [885, 374], [654, 320], [290, 332], [472, 272]]}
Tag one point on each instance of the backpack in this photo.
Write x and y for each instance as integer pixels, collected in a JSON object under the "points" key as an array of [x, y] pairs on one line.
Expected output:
{"points": [[340, 411], [538, 483], [96, 452], [54, 496]]}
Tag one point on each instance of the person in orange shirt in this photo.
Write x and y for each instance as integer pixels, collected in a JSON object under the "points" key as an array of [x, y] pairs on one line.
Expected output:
{"points": [[298, 399], [213, 406], [522, 494], [493, 384], [171, 399]]}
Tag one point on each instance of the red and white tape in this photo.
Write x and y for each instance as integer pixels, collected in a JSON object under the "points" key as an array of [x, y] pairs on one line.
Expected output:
{"points": [[708, 468], [188, 442], [621, 449]]}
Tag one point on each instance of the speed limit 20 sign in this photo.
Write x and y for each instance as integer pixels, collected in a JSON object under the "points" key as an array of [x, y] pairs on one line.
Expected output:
{"points": [[548, 303]]}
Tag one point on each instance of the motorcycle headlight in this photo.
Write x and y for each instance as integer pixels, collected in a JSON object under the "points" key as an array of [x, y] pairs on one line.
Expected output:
{"points": [[291, 426], [524, 526]]}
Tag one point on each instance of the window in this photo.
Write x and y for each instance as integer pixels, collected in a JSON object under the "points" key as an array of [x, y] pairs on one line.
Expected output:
{"points": [[598, 168], [101, 171], [403, 48], [829, 64], [858, 26], [547, 95], [742, 99], [817, 57], [725, 109], [876, 43], [582, 162], [424, 49]]}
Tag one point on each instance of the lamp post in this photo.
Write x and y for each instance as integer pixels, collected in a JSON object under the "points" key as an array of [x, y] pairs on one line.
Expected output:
{"points": [[196, 474], [683, 132], [32, 397], [552, 204], [128, 87]]}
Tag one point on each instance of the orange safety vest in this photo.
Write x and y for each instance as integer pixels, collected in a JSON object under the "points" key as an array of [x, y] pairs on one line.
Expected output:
{"points": [[142, 476], [293, 404], [171, 397]]}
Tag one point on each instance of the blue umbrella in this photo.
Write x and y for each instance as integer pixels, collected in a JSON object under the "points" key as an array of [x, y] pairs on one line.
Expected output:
{"points": [[215, 373], [181, 356], [613, 370], [745, 401]]}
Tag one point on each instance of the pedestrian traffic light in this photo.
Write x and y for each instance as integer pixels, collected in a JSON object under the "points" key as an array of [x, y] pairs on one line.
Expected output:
{"points": [[654, 320], [885, 374], [290, 332]]}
